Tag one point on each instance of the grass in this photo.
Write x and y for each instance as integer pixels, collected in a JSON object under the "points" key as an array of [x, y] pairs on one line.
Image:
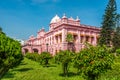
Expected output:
{"points": [[113, 74], [31, 70]]}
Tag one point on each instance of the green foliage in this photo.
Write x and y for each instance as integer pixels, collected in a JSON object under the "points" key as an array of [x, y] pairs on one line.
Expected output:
{"points": [[116, 35], [116, 39], [114, 73], [64, 57], [33, 56], [118, 20], [32, 70], [93, 61], [118, 51], [10, 53], [69, 37], [70, 45], [45, 57], [108, 24]]}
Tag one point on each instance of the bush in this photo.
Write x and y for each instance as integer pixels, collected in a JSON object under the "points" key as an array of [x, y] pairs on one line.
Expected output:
{"points": [[45, 57], [93, 61], [64, 57], [118, 51], [114, 73], [10, 53], [33, 56]]}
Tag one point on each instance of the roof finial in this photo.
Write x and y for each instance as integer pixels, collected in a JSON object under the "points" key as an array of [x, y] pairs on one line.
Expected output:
{"points": [[71, 18], [56, 15], [43, 27], [64, 16], [77, 18]]}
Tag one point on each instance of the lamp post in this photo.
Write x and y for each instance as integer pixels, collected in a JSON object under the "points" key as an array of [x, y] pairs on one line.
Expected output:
{"points": [[47, 46]]}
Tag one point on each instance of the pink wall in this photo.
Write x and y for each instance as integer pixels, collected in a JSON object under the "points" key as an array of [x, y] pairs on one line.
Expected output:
{"points": [[56, 36]]}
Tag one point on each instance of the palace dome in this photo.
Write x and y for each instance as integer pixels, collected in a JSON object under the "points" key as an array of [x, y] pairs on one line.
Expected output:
{"points": [[55, 19]]}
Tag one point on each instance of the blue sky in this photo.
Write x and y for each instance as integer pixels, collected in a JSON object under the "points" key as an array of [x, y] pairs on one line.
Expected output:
{"points": [[22, 18]]}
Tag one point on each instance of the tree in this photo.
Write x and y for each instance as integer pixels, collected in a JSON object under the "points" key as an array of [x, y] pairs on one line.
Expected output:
{"points": [[70, 40], [118, 20], [116, 39], [64, 57], [92, 61], [33, 56], [10, 54], [116, 35], [108, 24], [45, 57]]}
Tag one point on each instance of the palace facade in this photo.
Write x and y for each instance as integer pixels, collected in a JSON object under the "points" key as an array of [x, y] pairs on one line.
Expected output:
{"points": [[55, 39]]}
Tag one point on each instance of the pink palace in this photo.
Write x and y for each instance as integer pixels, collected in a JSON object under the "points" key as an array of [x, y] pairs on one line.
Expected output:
{"points": [[55, 39]]}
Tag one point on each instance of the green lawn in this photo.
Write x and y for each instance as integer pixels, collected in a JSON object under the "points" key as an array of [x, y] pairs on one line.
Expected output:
{"points": [[113, 74], [31, 70]]}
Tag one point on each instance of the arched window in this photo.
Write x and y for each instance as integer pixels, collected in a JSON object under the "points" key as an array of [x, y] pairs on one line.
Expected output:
{"points": [[35, 50]]}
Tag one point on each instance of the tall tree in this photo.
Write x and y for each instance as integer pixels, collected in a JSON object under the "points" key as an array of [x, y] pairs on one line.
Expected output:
{"points": [[108, 24], [116, 35], [118, 20]]}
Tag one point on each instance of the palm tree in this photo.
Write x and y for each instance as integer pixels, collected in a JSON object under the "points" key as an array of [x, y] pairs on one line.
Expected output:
{"points": [[70, 40]]}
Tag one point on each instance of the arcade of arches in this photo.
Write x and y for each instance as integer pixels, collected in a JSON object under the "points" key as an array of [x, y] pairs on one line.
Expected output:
{"points": [[58, 39]]}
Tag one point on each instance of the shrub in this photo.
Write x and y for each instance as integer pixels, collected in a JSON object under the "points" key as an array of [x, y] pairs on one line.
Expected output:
{"points": [[45, 57], [64, 57], [33, 56], [93, 61], [118, 51], [10, 53]]}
